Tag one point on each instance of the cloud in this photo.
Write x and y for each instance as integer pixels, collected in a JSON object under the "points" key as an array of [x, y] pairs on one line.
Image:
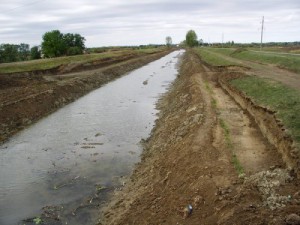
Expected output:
{"points": [[135, 22]]}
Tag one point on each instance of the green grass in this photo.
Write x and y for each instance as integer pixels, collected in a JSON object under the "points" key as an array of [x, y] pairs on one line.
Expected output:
{"points": [[222, 57], [211, 92], [43, 64], [214, 103], [236, 163], [226, 133], [285, 100], [210, 56], [224, 51], [278, 49], [289, 62]]}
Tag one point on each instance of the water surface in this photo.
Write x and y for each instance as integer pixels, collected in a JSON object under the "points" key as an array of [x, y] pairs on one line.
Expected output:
{"points": [[68, 157]]}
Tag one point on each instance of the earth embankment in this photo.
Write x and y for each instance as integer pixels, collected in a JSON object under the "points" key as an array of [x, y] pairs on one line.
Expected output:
{"points": [[206, 162], [27, 97]]}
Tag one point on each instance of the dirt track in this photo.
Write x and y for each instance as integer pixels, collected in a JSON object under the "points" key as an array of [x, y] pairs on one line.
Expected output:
{"points": [[189, 160]]}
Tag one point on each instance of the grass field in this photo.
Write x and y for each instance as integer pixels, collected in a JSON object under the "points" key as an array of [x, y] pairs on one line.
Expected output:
{"points": [[43, 64], [290, 62], [284, 100], [295, 50], [208, 55]]}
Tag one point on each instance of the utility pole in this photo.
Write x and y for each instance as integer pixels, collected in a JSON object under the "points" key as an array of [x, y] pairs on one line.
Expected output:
{"points": [[222, 39], [262, 32]]}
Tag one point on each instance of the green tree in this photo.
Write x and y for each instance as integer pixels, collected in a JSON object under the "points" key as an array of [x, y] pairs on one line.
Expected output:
{"points": [[191, 38], [35, 53], [57, 44], [74, 51], [53, 44], [8, 53], [200, 42], [168, 41], [75, 43], [23, 51]]}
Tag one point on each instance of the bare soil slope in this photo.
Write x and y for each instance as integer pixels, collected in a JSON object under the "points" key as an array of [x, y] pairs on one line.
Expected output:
{"points": [[191, 158], [29, 96]]}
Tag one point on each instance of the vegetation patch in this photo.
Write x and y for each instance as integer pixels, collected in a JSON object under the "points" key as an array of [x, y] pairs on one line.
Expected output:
{"points": [[284, 100], [224, 51], [44, 64], [286, 61], [212, 58], [237, 165]]}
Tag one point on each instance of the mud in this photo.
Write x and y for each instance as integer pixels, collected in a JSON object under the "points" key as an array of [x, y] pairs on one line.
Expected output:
{"points": [[187, 174], [27, 97]]}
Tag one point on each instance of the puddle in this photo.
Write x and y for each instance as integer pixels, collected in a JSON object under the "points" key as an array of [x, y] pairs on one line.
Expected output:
{"points": [[58, 165]]}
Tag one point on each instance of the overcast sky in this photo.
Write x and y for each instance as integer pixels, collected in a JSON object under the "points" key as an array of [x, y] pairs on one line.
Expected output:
{"points": [[135, 22]]}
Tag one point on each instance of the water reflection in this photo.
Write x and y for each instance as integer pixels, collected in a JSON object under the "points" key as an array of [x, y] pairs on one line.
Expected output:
{"points": [[64, 158]]}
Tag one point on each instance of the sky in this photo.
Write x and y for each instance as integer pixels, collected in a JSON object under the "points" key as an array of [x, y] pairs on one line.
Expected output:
{"points": [[139, 22]]}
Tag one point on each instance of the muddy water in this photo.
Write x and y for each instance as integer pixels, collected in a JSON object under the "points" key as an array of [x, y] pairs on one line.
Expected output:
{"points": [[64, 165]]}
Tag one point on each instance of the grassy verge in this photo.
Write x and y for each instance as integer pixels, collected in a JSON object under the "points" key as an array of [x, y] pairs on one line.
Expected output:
{"points": [[43, 64], [210, 56], [284, 100], [290, 62]]}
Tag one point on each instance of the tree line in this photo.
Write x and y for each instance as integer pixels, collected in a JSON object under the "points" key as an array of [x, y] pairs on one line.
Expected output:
{"points": [[54, 44], [21, 52]]}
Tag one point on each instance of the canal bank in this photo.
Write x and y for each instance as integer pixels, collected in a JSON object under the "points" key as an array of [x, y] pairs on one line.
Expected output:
{"points": [[206, 162], [62, 168], [26, 98]]}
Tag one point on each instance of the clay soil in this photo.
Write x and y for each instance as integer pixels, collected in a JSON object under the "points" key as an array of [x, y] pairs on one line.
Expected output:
{"points": [[206, 162], [29, 96]]}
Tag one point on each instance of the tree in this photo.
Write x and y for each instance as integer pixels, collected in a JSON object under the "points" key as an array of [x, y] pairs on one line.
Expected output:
{"points": [[75, 43], [191, 38], [53, 44], [8, 53], [57, 44], [35, 53], [168, 41], [23, 50], [200, 42]]}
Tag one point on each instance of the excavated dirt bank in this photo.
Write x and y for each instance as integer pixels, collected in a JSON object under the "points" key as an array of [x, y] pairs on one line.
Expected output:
{"points": [[187, 173], [25, 98], [271, 127]]}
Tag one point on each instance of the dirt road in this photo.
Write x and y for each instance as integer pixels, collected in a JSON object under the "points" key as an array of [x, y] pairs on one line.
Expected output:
{"points": [[206, 162]]}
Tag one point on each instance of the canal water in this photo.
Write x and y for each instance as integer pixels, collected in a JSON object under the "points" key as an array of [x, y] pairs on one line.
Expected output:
{"points": [[61, 168]]}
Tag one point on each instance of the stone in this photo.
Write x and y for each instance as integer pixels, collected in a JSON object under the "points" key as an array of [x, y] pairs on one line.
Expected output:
{"points": [[293, 219]]}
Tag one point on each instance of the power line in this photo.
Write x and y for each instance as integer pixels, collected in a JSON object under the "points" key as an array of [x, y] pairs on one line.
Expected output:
{"points": [[25, 5]]}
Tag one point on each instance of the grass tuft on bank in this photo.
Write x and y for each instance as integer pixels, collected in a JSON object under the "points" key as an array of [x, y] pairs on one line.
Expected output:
{"points": [[284, 100]]}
